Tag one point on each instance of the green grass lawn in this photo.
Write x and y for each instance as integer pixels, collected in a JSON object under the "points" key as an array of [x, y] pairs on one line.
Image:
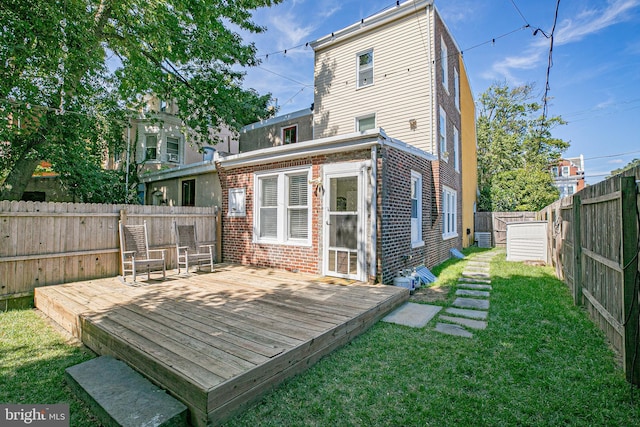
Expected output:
{"points": [[33, 357], [539, 362]]}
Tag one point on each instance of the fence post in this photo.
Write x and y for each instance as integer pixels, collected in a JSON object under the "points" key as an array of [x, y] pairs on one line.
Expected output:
{"points": [[577, 252], [630, 274]]}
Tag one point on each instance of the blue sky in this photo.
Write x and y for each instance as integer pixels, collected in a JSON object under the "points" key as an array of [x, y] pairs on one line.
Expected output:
{"points": [[594, 81]]}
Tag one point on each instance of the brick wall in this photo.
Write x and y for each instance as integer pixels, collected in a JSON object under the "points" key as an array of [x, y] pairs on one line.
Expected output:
{"points": [[237, 232], [395, 251]]}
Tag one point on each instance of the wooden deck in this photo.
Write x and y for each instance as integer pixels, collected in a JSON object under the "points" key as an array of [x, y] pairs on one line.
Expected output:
{"points": [[218, 341]]}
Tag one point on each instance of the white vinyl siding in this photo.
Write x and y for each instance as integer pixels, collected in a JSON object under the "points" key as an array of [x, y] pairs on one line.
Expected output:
{"points": [[416, 209], [283, 207], [403, 83], [449, 213]]}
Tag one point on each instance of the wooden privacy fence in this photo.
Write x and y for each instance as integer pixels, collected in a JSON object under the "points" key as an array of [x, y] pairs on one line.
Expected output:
{"points": [[496, 224], [50, 243], [593, 238]]}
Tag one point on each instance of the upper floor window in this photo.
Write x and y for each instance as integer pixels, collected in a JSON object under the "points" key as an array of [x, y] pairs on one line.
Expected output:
{"points": [[443, 134], [456, 149], [554, 171], [365, 68], [565, 171], [173, 149], [151, 147], [444, 64], [365, 122], [456, 88], [290, 134]]}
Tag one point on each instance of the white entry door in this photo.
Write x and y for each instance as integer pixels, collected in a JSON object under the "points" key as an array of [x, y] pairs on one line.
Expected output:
{"points": [[343, 229]]}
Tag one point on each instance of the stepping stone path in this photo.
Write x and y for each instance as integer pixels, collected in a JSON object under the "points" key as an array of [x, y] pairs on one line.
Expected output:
{"points": [[471, 307]]}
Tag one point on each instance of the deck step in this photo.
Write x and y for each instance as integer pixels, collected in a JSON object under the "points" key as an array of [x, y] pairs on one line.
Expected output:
{"points": [[119, 396]]}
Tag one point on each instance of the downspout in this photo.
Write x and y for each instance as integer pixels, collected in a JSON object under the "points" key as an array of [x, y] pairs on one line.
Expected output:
{"points": [[373, 264]]}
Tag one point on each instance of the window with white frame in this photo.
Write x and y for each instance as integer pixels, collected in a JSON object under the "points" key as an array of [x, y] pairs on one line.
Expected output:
{"points": [[456, 88], [151, 147], [416, 209], [365, 68], [443, 135], [173, 149], [456, 149], [449, 213], [365, 122], [283, 207], [554, 171], [565, 171], [444, 64], [290, 134], [237, 198]]}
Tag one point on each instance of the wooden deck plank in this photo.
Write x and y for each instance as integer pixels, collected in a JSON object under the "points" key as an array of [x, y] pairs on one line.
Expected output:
{"points": [[218, 341]]}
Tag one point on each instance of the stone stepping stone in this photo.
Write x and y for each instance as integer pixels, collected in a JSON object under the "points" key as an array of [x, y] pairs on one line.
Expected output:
{"points": [[475, 269], [470, 323], [473, 314], [476, 275], [478, 304], [412, 314], [472, 293], [456, 330], [475, 286], [470, 280]]}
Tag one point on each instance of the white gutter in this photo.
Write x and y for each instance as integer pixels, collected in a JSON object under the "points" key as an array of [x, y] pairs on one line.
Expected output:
{"points": [[334, 144], [179, 172]]}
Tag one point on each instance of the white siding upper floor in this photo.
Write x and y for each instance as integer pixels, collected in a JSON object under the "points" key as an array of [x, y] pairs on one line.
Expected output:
{"points": [[401, 95]]}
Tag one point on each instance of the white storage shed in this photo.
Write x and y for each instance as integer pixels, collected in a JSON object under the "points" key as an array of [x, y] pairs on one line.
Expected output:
{"points": [[527, 241]]}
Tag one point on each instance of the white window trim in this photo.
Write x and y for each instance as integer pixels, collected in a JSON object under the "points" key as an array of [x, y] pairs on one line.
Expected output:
{"points": [[456, 149], [366, 116], [157, 147], [282, 208], [442, 135], [283, 128], [456, 88], [358, 55], [444, 66], [419, 242], [166, 141], [449, 194], [237, 202]]}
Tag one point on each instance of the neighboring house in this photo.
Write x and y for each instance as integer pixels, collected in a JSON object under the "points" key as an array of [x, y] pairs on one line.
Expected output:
{"points": [[286, 129], [568, 175], [357, 201], [172, 170]]}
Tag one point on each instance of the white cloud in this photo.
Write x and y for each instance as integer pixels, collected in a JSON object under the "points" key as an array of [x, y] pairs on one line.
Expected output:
{"points": [[570, 30], [594, 20], [616, 162]]}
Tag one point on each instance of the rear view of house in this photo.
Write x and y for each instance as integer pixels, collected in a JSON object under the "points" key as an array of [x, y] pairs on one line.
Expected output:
{"points": [[380, 187]]}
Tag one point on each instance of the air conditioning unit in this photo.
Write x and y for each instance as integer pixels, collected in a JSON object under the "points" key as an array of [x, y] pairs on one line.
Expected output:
{"points": [[173, 158]]}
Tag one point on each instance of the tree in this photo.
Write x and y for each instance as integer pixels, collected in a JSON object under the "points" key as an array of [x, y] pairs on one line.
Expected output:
{"points": [[632, 164], [73, 69], [515, 148]]}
